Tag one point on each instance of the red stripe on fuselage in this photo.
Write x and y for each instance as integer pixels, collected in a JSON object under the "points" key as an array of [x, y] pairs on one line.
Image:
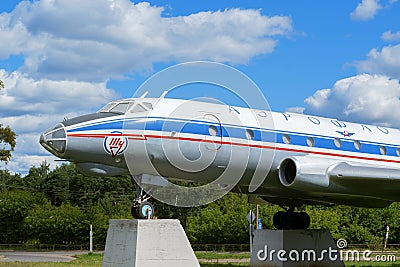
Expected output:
{"points": [[130, 136], [144, 137]]}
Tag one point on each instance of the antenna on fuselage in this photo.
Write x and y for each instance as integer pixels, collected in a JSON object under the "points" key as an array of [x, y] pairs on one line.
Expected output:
{"points": [[144, 95], [161, 97]]}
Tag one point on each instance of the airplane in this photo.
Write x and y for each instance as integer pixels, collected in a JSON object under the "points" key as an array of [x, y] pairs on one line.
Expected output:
{"points": [[285, 158]]}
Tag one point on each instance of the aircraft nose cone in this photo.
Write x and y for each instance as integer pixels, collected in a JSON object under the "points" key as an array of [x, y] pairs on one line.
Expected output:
{"points": [[41, 140], [54, 140]]}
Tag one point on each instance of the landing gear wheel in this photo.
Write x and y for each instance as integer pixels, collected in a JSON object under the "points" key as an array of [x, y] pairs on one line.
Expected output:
{"points": [[134, 212], [145, 210], [278, 220], [141, 208], [291, 220], [304, 220]]}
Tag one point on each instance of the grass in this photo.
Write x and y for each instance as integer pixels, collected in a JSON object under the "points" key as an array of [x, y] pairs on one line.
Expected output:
{"points": [[95, 260], [224, 264], [86, 260], [372, 264], [222, 255]]}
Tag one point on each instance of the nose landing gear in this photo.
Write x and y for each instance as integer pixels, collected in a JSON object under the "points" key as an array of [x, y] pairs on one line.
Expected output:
{"points": [[286, 220], [142, 208]]}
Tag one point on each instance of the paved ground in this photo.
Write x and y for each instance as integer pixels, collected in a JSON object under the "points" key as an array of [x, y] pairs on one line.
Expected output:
{"points": [[53, 256], [224, 260]]}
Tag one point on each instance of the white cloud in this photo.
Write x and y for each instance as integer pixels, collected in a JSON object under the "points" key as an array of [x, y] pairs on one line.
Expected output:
{"points": [[29, 144], [71, 48], [27, 96], [389, 36], [362, 98], [21, 163], [28, 123], [30, 106], [299, 110], [366, 10], [386, 62], [15, 38], [95, 40]]}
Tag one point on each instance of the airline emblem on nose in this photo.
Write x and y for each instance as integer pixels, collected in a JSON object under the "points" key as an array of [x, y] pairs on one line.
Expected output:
{"points": [[115, 143]]}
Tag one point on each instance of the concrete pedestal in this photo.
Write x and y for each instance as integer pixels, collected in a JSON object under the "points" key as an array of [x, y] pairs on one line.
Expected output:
{"points": [[148, 243], [294, 248]]}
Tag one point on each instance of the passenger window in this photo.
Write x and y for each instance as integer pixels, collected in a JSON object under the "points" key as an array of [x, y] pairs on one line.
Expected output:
{"points": [[382, 149], [213, 130], [286, 138], [338, 142], [398, 152], [249, 134], [310, 141], [357, 144]]}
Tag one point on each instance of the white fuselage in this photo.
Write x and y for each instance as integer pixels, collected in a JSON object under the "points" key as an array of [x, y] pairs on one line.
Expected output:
{"points": [[286, 158]]}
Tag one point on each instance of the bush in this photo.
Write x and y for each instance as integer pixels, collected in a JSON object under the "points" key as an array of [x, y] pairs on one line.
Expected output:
{"points": [[14, 208]]}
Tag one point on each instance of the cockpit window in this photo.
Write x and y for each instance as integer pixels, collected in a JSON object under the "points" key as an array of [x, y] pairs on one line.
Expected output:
{"points": [[120, 108], [107, 107], [137, 108], [147, 105], [141, 107], [123, 106]]}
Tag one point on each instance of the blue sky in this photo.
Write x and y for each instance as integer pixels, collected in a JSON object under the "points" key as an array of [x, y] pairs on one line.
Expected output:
{"points": [[67, 57]]}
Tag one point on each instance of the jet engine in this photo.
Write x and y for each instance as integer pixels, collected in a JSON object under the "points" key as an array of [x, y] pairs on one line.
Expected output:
{"points": [[305, 173]]}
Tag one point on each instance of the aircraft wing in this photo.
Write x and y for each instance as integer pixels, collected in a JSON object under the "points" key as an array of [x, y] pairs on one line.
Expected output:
{"points": [[321, 176], [375, 178]]}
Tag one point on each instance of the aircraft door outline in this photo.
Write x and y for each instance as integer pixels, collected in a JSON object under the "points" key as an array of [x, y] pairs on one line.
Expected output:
{"points": [[214, 130]]}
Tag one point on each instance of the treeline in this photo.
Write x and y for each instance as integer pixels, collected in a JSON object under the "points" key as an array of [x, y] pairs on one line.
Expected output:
{"points": [[57, 206]]}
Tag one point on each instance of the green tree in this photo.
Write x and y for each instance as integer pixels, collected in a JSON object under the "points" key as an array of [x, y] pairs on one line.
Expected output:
{"points": [[221, 222], [36, 177], [56, 185], [325, 218], [7, 139], [367, 226], [9, 181], [84, 190], [14, 208], [7, 142], [57, 225], [66, 184], [99, 219], [165, 211]]}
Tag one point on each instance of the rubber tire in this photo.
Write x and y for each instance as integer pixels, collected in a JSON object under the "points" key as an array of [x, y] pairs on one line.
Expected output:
{"points": [[304, 220], [134, 212], [278, 220], [291, 220], [143, 208]]}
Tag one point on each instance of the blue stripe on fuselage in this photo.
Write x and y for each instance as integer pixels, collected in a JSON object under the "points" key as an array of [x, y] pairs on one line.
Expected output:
{"points": [[198, 127], [104, 125]]}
